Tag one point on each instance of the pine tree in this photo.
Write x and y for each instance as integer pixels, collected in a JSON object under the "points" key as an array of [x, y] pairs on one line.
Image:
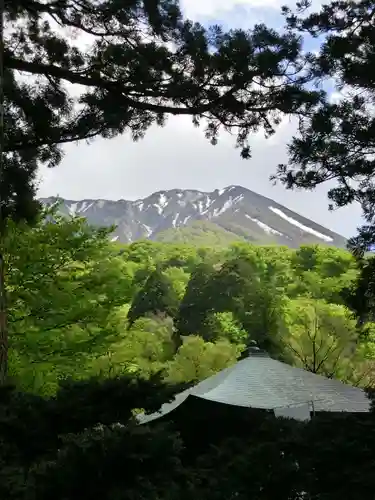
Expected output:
{"points": [[337, 141]]}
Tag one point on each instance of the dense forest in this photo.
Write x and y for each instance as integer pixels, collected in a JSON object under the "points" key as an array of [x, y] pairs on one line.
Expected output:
{"points": [[82, 306]]}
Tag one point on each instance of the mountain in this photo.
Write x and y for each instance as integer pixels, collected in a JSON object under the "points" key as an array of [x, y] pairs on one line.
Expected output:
{"points": [[183, 215]]}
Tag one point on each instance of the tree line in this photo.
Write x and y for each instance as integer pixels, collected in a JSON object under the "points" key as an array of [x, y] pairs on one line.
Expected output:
{"points": [[79, 305]]}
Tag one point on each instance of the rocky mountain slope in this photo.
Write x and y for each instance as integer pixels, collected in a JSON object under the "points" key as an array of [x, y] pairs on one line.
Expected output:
{"points": [[173, 215]]}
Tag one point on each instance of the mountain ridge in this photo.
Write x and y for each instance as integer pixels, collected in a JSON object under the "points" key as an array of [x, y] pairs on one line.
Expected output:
{"points": [[233, 209]]}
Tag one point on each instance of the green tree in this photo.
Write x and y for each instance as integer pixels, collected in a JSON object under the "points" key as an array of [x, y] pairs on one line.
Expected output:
{"points": [[231, 329], [63, 283], [142, 252], [197, 302], [157, 296], [143, 349], [360, 294], [248, 289], [144, 63], [329, 262], [322, 273], [196, 359], [323, 338], [270, 262], [179, 279]]}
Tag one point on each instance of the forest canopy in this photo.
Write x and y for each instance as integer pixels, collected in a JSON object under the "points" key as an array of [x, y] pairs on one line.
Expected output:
{"points": [[79, 305], [98, 333]]}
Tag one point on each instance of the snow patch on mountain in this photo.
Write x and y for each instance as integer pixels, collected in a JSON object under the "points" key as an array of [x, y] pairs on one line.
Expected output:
{"points": [[304, 228], [262, 225], [85, 206], [158, 208], [224, 208], [163, 200], [149, 230], [227, 205], [175, 219], [204, 205], [73, 209], [239, 198]]}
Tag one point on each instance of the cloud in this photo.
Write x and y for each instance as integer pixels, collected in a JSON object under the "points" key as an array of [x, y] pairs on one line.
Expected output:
{"points": [[195, 9], [225, 10], [179, 156]]}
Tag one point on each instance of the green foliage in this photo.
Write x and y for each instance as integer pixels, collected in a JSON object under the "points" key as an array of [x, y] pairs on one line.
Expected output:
{"points": [[323, 338], [63, 284], [323, 273], [143, 349], [178, 279], [157, 296], [196, 359], [197, 302], [230, 328], [78, 307], [200, 233], [70, 292], [246, 287], [50, 447]]}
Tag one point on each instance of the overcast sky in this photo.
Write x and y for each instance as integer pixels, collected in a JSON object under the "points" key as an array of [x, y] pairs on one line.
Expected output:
{"points": [[178, 155]]}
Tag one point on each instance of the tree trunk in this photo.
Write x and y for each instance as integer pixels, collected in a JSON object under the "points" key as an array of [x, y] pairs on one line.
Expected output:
{"points": [[3, 326], [3, 305]]}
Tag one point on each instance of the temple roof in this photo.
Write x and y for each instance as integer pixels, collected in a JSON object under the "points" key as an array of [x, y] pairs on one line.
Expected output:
{"points": [[261, 382]]}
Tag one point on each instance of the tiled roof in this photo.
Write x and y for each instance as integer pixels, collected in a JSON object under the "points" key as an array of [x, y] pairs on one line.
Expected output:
{"points": [[264, 383]]}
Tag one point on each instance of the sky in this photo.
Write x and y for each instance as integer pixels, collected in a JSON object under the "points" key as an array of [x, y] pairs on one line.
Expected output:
{"points": [[179, 156]]}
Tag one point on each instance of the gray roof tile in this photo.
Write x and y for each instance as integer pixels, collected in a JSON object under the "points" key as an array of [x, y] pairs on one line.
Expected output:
{"points": [[262, 382]]}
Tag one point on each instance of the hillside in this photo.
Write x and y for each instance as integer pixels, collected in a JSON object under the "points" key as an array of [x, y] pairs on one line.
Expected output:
{"points": [[222, 215], [199, 233]]}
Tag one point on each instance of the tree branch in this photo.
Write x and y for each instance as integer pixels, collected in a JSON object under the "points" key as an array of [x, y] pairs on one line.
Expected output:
{"points": [[113, 87]]}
